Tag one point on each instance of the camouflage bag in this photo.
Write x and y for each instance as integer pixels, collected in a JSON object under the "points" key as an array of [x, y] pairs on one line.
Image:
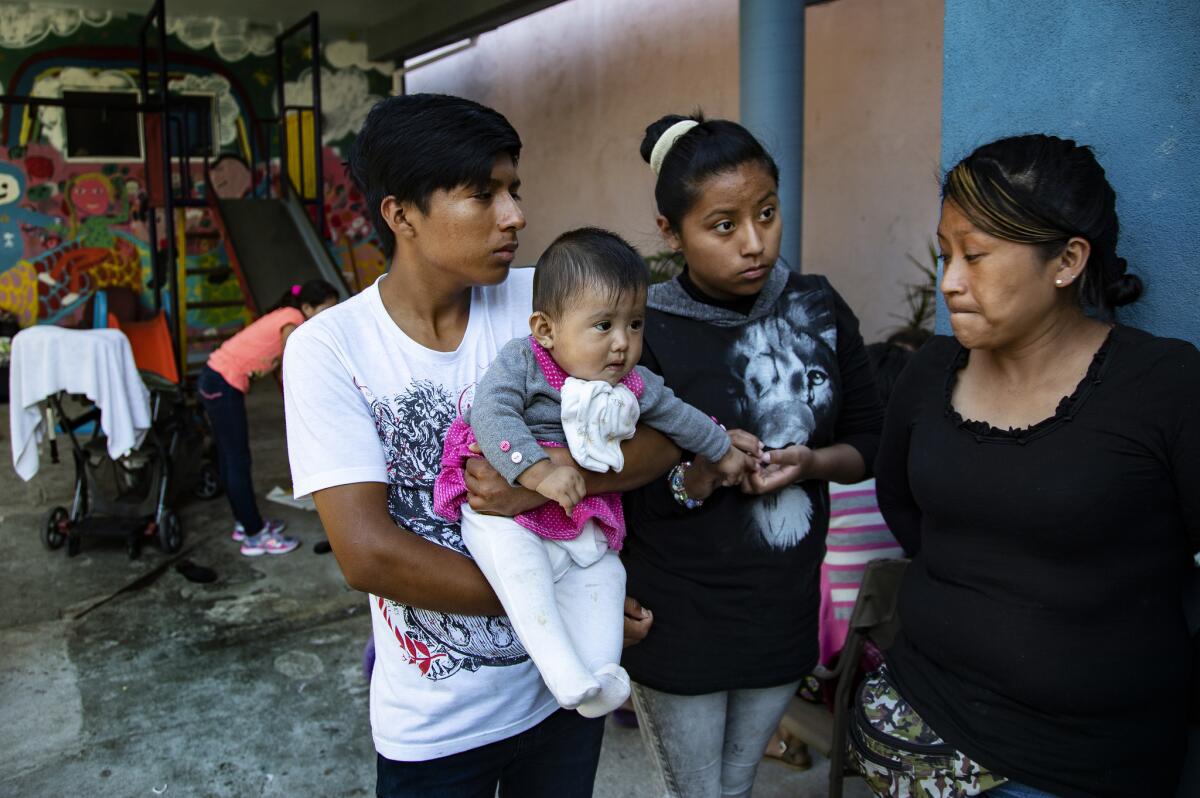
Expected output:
{"points": [[900, 756]]}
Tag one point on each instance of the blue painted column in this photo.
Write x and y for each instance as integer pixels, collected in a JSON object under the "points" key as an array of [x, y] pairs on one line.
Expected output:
{"points": [[771, 100]]}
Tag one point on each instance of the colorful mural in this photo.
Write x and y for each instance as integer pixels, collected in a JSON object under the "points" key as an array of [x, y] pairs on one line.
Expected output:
{"points": [[356, 244], [76, 231], [14, 217], [69, 228]]}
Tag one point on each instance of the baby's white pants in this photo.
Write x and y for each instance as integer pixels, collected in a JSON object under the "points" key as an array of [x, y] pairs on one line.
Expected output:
{"points": [[565, 599]]}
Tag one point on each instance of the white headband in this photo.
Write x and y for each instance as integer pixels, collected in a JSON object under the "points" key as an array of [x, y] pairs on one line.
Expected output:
{"points": [[667, 140]]}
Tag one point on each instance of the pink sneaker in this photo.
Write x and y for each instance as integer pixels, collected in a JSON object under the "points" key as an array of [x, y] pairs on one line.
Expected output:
{"points": [[268, 543], [272, 525]]}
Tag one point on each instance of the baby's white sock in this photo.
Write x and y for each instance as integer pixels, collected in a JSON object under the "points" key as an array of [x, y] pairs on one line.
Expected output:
{"points": [[614, 690], [574, 696]]}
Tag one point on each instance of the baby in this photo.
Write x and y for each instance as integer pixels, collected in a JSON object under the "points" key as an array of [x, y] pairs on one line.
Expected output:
{"points": [[573, 382]]}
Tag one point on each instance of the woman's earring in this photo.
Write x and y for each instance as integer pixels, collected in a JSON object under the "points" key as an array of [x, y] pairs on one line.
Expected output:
{"points": [[1058, 281]]}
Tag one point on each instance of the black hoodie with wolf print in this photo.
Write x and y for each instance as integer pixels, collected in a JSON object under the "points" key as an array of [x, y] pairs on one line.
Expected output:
{"points": [[734, 584]]}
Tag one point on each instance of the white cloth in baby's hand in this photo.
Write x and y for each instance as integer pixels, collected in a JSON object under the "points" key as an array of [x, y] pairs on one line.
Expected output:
{"points": [[596, 417]]}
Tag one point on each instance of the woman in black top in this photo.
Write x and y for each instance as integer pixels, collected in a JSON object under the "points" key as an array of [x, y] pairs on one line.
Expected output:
{"points": [[733, 584], [1042, 467]]}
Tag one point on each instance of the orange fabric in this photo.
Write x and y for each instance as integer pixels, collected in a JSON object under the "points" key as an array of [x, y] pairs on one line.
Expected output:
{"points": [[151, 344], [254, 351]]}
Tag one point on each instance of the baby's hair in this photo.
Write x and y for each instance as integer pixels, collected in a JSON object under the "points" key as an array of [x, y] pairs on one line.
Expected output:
{"points": [[586, 259]]}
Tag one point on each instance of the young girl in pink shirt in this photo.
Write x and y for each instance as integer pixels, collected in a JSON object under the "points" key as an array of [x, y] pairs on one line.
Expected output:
{"points": [[224, 381]]}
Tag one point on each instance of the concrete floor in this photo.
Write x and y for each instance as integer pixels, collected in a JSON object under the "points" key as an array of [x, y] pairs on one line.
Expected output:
{"points": [[121, 678]]}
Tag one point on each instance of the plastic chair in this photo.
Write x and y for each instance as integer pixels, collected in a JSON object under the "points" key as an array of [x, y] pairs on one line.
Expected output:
{"points": [[150, 341], [875, 619]]}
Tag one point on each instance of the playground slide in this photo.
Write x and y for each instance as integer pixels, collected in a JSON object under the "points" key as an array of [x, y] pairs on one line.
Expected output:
{"points": [[274, 245]]}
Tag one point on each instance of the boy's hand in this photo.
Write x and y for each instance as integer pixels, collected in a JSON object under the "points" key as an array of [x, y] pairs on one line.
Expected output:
{"points": [[563, 485], [489, 493]]}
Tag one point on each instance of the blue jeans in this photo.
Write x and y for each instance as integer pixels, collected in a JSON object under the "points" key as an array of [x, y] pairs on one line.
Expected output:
{"points": [[709, 746], [1014, 790], [226, 409], [555, 759]]}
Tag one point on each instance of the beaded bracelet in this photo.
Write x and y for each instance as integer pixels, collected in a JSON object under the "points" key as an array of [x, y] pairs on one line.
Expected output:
{"points": [[675, 480]]}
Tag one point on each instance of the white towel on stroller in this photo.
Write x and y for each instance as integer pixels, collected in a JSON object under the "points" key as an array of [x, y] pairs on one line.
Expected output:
{"points": [[97, 363]]}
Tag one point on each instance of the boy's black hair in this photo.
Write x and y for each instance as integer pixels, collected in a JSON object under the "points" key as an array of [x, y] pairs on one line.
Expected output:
{"points": [[587, 258], [416, 144]]}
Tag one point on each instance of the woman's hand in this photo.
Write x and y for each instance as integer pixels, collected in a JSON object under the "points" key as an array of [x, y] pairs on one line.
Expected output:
{"points": [[638, 620], [783, 467]]}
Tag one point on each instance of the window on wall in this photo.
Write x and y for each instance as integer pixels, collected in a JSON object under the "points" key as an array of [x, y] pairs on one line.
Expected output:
{"points": [[192, 124], [106, 129]]}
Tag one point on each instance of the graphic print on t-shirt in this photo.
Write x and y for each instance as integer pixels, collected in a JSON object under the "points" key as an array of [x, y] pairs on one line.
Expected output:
{"points": [[411, 428], [789, 361]]}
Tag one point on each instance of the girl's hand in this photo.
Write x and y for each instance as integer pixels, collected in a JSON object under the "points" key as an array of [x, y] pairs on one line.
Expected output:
{"points": [[745, 455], [638, 620], [794, 455], [784, 467]]}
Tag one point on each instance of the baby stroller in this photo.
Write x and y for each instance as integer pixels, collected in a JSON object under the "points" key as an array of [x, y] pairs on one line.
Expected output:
{"points": [[132, 494]]}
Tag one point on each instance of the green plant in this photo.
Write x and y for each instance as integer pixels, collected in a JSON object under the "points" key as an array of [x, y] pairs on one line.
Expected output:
{"points": [[920, 297], [664, 265]]}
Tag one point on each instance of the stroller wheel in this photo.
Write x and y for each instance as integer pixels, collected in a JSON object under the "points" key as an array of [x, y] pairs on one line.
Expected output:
{"points": [[208, 482], [56, 529], [170, 532], [73, 540]]}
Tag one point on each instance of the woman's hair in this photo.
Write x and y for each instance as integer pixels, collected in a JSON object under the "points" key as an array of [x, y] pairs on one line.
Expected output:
{"points": [[711, 147], [586, 259], [312, 293], [1043, 190]]}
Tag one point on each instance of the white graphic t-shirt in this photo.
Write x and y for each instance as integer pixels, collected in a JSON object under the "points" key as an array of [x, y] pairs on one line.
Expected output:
{"points": [[365, 403]]}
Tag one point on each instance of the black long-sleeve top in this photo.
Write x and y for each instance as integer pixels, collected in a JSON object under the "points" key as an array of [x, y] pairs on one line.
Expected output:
{"points": [[1043, 632], [734, 585]]}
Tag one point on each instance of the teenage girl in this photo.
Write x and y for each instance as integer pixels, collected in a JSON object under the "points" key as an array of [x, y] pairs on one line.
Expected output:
{"points": [[732, 575]]}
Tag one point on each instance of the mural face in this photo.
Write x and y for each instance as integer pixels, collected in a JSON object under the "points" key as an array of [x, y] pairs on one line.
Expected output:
{"points": [[10, 189], [230, 178], [91, 195]]}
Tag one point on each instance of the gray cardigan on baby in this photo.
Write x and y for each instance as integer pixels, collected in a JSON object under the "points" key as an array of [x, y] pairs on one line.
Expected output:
{"points": [[515, 407]]}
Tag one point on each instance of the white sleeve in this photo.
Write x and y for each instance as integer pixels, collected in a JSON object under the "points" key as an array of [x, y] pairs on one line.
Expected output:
{"points": [[331, 433]]}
